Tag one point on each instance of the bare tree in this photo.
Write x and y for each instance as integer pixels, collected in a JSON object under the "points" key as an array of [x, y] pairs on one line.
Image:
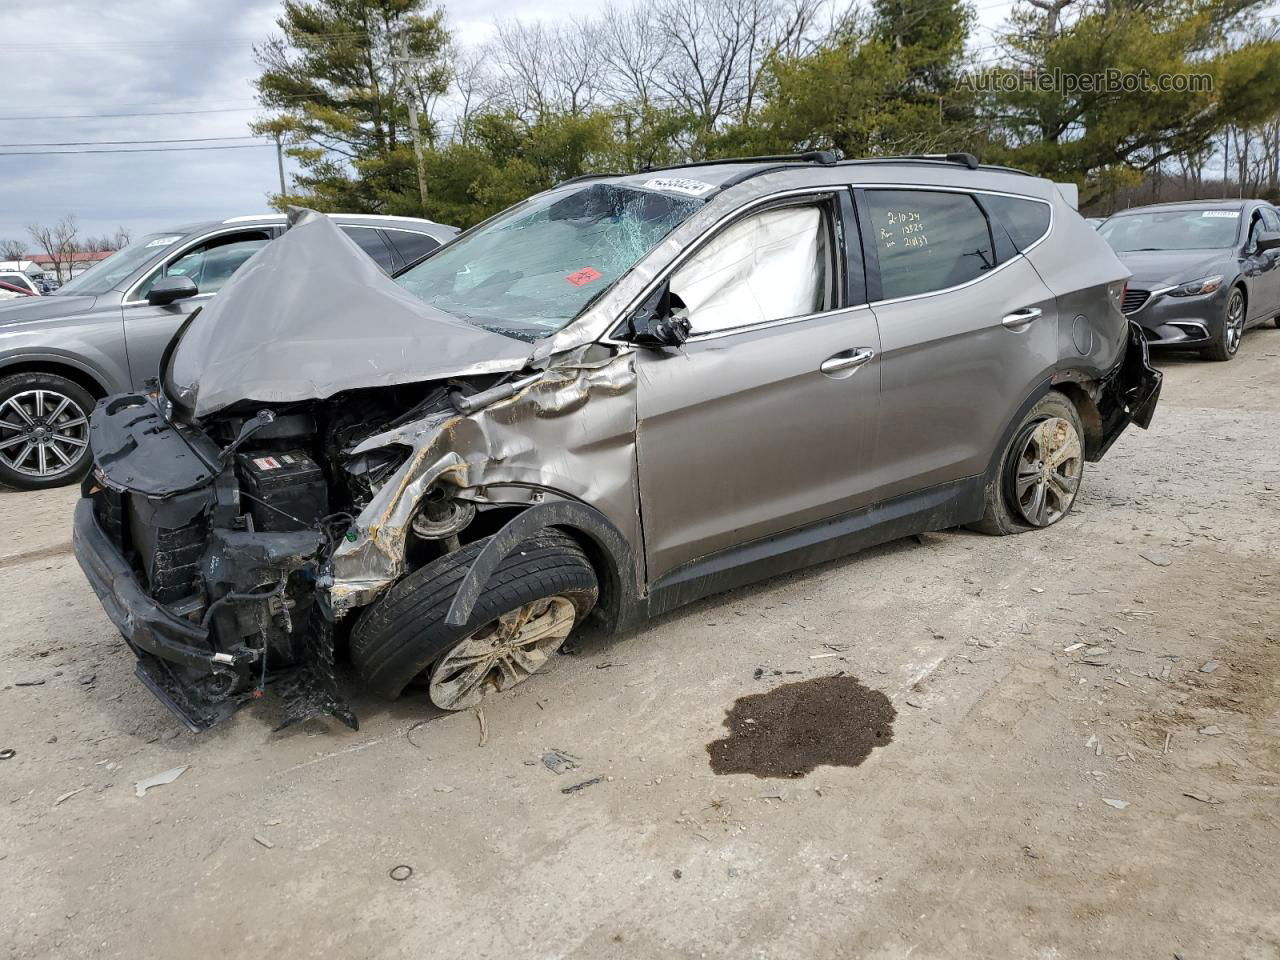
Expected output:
{"points": [[471, 94], [13, 250], [635, 47], [59, 241], [543, 68]]}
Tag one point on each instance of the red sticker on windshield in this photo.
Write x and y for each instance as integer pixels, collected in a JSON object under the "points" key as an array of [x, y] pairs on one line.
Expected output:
{"points": [[583, 277]]}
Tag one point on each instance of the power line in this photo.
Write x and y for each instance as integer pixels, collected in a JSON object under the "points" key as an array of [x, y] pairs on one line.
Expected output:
{"points": [[110, 116], [153, 44], [95, 143], [298, 98], [63, 153]]}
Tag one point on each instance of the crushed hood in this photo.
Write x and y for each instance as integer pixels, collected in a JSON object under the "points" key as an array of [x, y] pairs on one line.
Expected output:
{"points": [[310, 315]]}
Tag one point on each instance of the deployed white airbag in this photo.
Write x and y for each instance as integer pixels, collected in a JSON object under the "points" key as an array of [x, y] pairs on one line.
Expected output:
{"points": [[767, 267]]}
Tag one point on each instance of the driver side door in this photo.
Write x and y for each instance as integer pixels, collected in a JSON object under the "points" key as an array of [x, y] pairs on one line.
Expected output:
{"points": [[764, 420], [209, 262]]}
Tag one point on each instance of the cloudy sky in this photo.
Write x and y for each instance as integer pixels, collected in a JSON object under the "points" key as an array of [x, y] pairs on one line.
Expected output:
{"points": [[67, 63], [64, 61]]}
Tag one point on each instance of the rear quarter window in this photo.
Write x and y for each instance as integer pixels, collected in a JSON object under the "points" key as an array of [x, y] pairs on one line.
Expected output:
{"points": [[1025, 220], [412, 246]]}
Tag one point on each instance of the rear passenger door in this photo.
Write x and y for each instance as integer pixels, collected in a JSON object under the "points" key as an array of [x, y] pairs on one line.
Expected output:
{"points": [[967, 330]]}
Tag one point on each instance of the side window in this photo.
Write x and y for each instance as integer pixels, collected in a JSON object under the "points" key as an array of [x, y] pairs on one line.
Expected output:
{"points": [[1025, 220], [769, 266], [412, 246], [1270, 220], [1255, 228], [210, 264], [221, 262], [370, 241], [928, 240]]}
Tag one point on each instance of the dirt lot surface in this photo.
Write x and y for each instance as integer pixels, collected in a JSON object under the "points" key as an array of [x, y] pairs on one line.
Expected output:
{"points": [[1084, 761]]}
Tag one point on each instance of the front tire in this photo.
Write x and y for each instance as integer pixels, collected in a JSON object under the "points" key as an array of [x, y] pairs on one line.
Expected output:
{"points": [[44, 431], [1040, 470], [537, 595], [1232, 332]]}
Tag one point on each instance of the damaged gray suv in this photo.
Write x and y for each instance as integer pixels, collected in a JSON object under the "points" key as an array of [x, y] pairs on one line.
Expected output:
{"points": [[618, 396]]}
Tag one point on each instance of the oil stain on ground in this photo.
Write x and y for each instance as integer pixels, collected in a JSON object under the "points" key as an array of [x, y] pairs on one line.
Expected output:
{"points": [[787, 732]]}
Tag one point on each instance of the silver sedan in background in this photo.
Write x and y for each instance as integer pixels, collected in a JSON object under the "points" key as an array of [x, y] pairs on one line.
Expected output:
{"points": [[104, 331]]}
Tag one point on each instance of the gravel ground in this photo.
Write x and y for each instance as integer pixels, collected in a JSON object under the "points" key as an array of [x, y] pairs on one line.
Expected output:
{"points": [[1069, 774]]}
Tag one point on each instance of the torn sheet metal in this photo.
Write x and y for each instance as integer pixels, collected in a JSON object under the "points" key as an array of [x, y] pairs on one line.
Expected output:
{"points": [[272, 334], [523, 442]]}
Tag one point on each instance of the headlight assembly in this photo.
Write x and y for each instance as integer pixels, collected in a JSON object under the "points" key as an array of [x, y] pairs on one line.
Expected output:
{"points": [[1195, 288]]}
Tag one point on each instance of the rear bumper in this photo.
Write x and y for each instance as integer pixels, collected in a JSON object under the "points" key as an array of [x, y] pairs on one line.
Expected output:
{"points": [[1129, 393]]}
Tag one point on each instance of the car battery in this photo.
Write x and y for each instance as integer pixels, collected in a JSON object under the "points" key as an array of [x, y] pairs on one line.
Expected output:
{"points": [[284, 491]]}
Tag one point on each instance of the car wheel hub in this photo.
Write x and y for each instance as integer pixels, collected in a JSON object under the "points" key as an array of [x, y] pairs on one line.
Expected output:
{"points": [[42, 433], [1047, 471], [501, 654], [1235, 323]]}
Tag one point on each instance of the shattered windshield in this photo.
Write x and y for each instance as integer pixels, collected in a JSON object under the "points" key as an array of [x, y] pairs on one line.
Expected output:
{"points": [[530, 272]]}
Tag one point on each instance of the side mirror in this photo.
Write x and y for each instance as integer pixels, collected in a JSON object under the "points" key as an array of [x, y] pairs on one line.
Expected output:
{"points": [[1268, 240], [168, 289], [655, 325]]}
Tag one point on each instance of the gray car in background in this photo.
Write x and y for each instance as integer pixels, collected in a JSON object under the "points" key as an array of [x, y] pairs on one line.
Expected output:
{"points": [[617, 397], [104, 331], [1204, 271]]}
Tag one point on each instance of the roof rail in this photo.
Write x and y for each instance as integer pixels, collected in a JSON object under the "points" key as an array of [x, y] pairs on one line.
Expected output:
{"points": [[965, 159], [826, 158]]}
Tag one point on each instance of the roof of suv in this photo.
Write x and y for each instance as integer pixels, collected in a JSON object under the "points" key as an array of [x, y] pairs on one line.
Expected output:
{"points": [[705, 177]]}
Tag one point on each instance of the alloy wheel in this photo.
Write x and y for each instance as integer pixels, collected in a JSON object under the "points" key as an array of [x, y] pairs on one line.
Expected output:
{"points": [[43, 433], [501, 654], [1047, 471], [1234, 321]]}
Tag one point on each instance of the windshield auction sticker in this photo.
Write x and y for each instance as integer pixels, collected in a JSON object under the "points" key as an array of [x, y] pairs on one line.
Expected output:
{"points": [[690, 188], [581, 278], [1230, 214], [163, 241]]}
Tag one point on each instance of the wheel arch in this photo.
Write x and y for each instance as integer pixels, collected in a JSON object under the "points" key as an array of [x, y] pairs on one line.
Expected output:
{"points": [[1090, 416], [614, 560], [88, 380]]}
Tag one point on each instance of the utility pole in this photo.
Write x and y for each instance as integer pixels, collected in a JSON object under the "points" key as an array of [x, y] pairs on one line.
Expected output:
{"points": [[417, 151], [412, 103], [280, 162]]}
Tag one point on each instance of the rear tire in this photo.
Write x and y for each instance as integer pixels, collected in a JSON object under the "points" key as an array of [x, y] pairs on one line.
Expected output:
{"points": [[1233, 319], [1040, 470], [403, 633], [44, 431]]}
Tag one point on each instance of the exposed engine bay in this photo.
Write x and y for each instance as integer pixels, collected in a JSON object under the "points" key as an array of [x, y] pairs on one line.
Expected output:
{"points": [[255, 531]]}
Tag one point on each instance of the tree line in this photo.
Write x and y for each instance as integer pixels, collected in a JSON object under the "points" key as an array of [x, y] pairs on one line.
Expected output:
{"points": [[62, 243], [383, 111]]}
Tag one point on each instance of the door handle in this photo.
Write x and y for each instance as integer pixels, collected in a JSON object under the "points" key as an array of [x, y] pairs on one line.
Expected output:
{"points": [[849, 360], [1021, 319]]}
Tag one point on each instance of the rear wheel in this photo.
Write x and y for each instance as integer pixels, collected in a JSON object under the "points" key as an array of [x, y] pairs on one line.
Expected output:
{"points": [[537, 595], [1040, 471], [44, 431], [1232, 332]]}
